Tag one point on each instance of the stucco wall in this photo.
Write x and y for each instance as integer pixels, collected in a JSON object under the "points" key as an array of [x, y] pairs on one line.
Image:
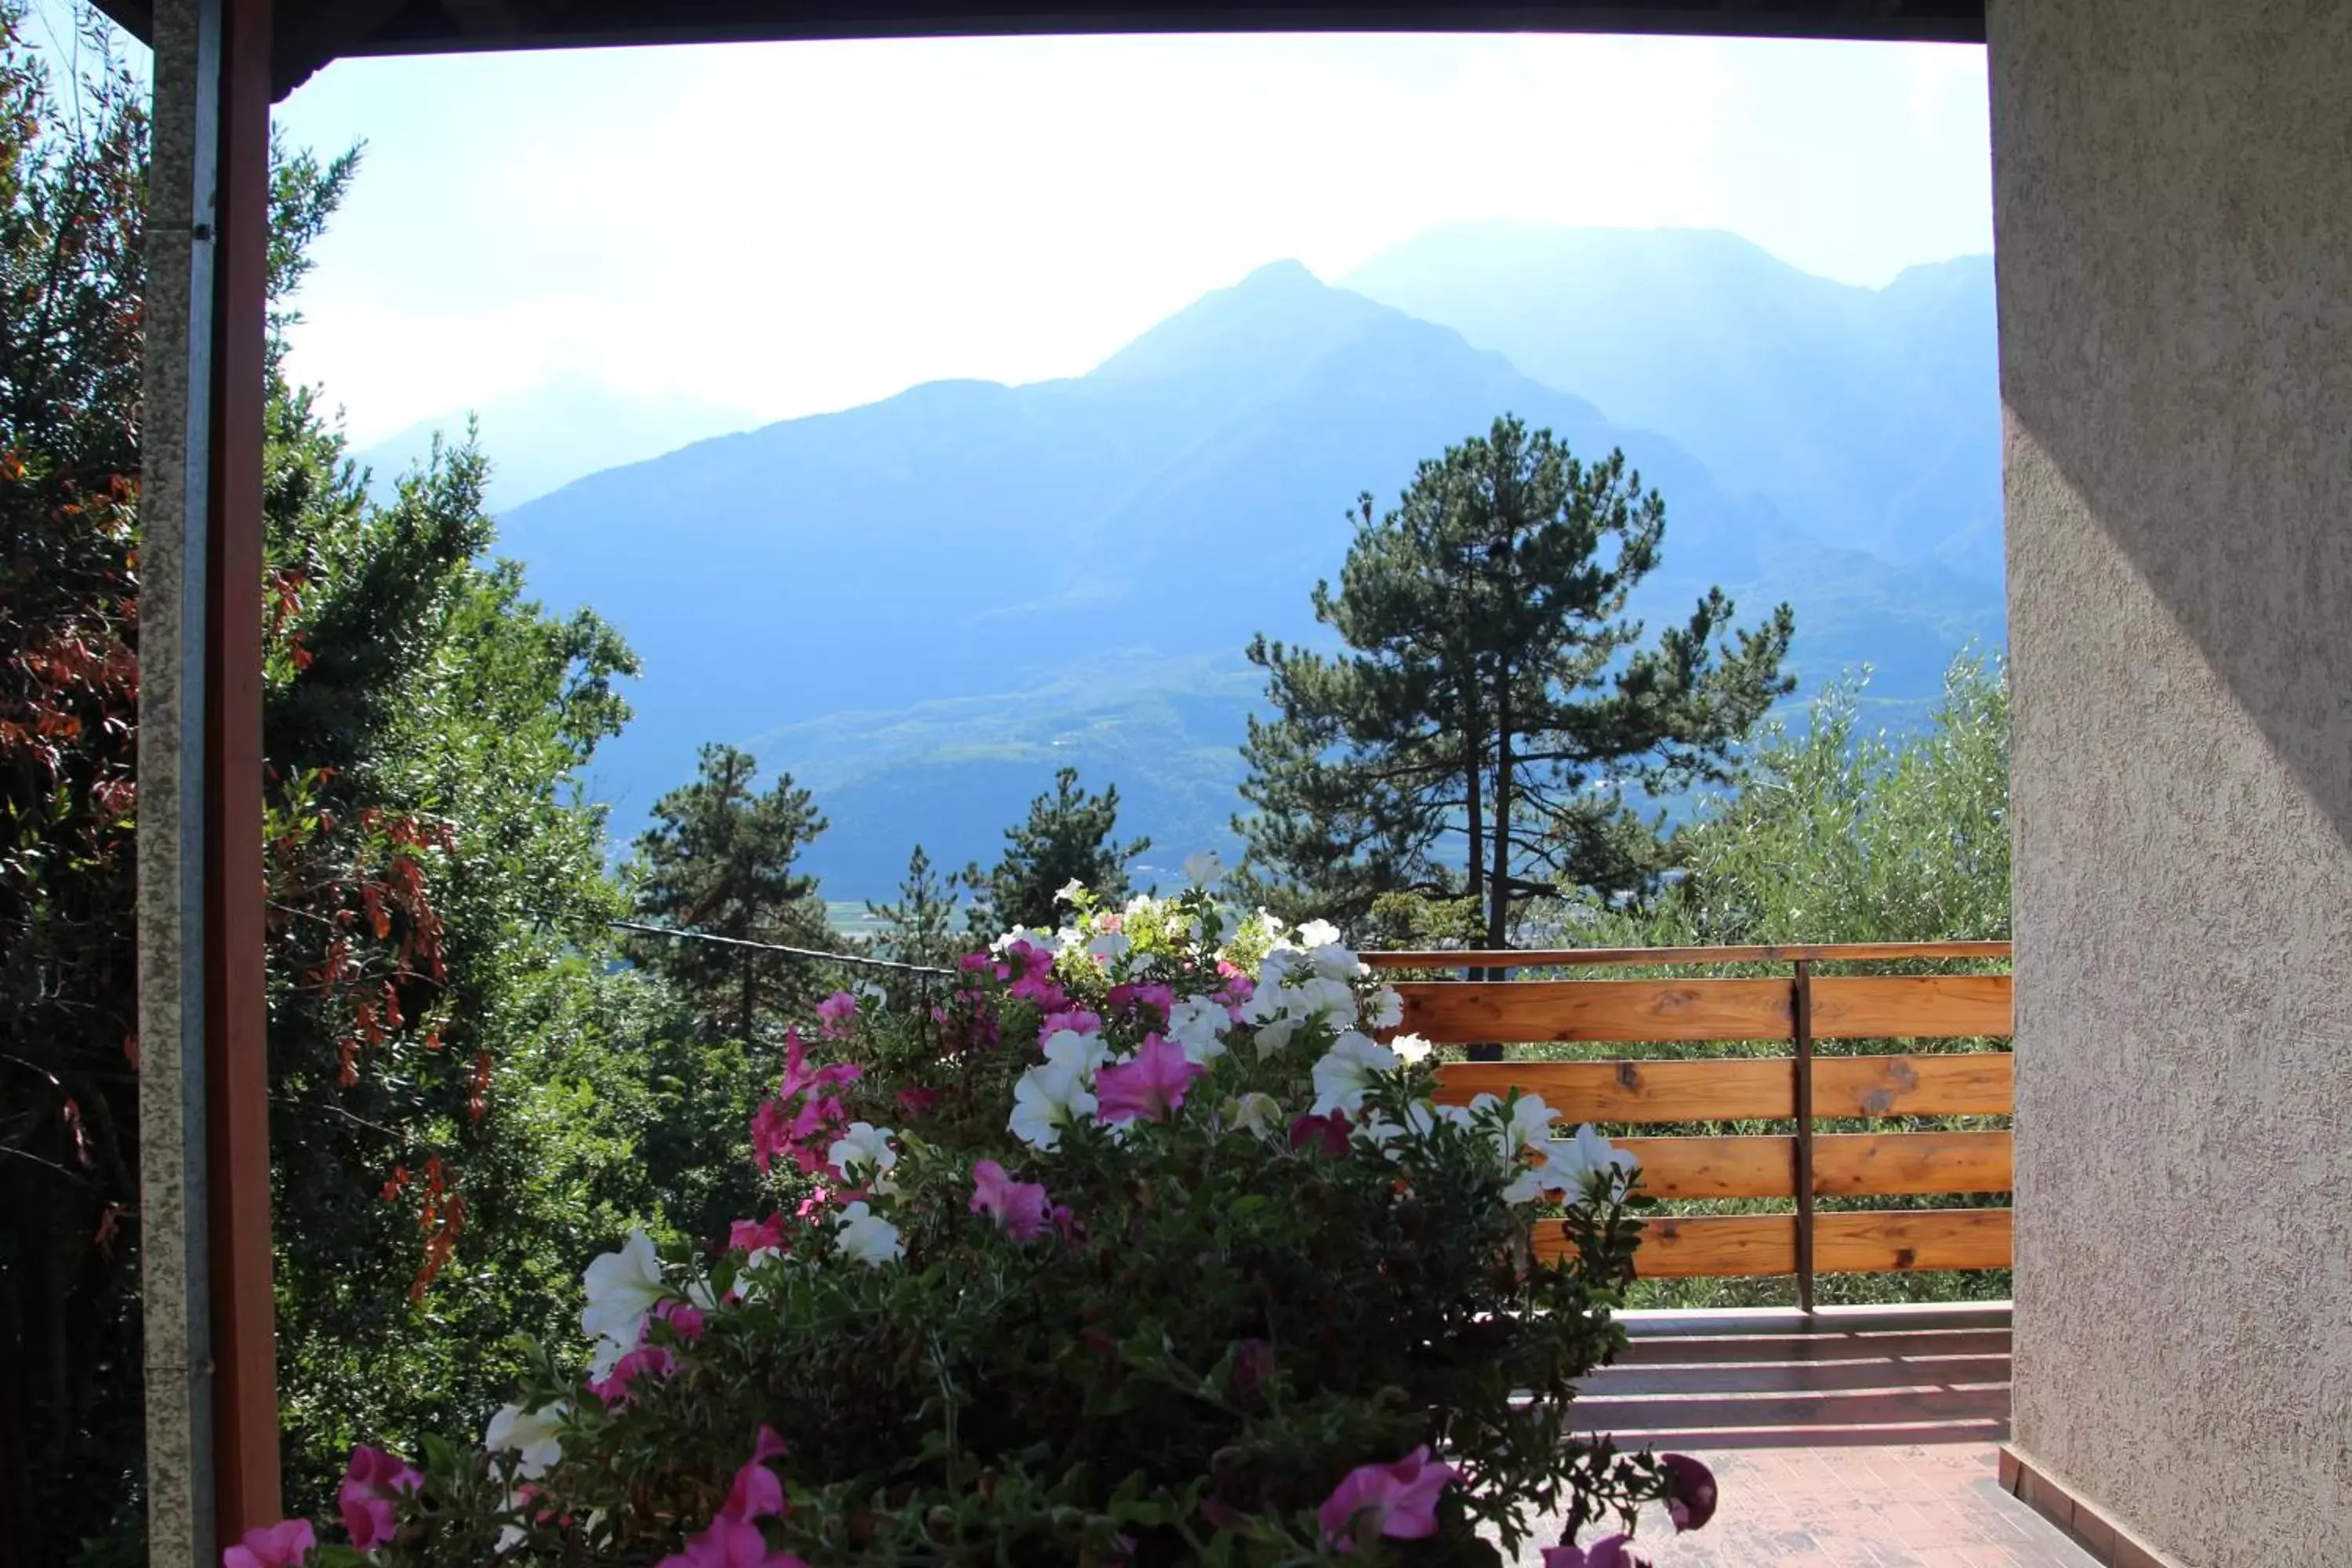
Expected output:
{"points": [[2173, 197]]}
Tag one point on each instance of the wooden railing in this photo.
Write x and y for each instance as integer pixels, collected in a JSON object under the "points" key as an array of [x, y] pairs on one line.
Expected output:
{"points": [[1801, 1088]]}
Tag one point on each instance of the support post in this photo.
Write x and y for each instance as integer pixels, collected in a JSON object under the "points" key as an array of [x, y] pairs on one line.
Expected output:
{"points": [[1801, 1030], [210, 1356], [236, 1042]]}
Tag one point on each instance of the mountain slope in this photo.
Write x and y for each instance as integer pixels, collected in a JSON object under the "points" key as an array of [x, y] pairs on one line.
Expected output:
{"points": [[925, 604], [542, 441], [1869, 418]]}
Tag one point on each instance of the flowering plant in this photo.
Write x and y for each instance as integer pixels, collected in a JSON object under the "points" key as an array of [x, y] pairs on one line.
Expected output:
{"points": [[1134, 1246]]}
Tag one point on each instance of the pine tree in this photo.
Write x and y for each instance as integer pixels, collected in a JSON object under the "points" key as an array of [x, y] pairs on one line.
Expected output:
{"points": [[719, 860], [918, 928], [1493, 712], [1067, 838]]}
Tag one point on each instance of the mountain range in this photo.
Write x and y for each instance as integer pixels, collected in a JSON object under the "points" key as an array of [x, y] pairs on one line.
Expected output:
{"points": [[923, 605]]}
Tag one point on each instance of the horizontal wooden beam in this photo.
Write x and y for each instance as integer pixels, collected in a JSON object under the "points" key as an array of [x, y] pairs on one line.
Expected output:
{"points": [[1890, 1006], [1601, 957], [1856, 1242], [1911, 1007], [1747, 1088], [1578, 1011], [1846, 1164], [1872, 1241]]}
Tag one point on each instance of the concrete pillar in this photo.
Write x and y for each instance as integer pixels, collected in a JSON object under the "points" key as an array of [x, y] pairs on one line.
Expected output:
{"points": [[2173, 218]]}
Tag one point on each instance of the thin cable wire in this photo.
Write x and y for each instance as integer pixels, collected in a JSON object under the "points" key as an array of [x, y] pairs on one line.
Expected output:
{"points": [[779, 947]]}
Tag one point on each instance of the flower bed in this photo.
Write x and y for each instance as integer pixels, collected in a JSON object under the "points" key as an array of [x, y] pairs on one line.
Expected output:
{"points": [[1131, 1246]]}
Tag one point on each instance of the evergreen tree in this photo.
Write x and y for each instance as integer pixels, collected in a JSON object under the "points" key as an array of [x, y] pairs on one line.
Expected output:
{"points": [[719, 860], [1494, 710], [1067, 838], [919, 926]]}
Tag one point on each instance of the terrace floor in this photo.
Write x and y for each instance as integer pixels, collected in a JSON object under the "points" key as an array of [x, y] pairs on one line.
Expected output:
{"points": [[1867, 1440]]}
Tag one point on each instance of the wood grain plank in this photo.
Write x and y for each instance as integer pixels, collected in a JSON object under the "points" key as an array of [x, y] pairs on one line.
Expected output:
{"points": [[1747, 1088], [1962, 1083], [1905, 1239], [1888, 1164], [1846, 1164], [1788, 953], [1861, 1242], [1644, 1351], [1923, 1407], [1700, 1244], [1910, 1006], [1524, 1011], [1727, 1088]]}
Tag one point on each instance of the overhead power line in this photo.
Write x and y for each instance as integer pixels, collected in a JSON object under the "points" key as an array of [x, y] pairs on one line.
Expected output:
{"points": [[683, 936]]}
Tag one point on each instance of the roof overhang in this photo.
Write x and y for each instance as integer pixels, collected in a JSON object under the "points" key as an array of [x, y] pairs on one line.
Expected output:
{"points": [[311, 33]]}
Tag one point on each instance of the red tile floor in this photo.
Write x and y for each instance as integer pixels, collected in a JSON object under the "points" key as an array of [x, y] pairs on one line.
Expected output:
{"points": [[1865, 1440]]}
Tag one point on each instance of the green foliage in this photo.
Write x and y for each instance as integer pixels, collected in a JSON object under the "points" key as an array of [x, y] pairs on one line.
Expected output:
{"points": [[719, 859], [1205, 1320], [1836, 837], [1494, 711], [1066, 839], [70, 238], [463, 1097]]}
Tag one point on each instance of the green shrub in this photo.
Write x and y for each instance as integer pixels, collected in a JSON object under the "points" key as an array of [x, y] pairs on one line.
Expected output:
{"points": [[1119, 1254]]}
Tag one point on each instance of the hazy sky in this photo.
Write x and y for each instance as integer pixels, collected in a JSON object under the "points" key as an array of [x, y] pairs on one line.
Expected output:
{"points": [[791, 228]]}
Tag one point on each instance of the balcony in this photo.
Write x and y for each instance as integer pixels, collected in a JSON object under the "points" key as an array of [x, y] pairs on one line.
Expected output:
{"points": [[1815, 1122]]}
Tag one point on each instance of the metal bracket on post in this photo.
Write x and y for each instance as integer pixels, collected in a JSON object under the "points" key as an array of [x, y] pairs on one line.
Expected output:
{"points": [[1801, 1030]]}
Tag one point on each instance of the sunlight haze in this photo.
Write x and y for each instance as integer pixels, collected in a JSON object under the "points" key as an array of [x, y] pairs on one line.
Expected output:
{"points": [[782, 229]]}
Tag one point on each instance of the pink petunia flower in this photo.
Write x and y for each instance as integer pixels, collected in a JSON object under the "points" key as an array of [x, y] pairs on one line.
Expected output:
{"points": [[730, 1543], [1069, 1224], [838, 1014], [684, 1321], [917, 1102], [1146, 994], [1693, 1503], [1075, 1019], [286, 1544], [1148, 1087], [645, 1361], [757, 1493], [1328, 1133], [1398, 1500], [1018, 1207], [750, 1236], [372, 1484]]}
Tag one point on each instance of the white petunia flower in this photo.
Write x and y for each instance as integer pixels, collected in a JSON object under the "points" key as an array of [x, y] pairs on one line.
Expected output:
{"points": [[1047, 1098], [1109, 947], [1196, 1023], [868, 1238], [532, 1435], [622, 1289], [1275, 1033], [1407, 1047], [1388, 1008], [1346, 1071], [1070, 892], [1317, 934], [1333, 961], [1203, 870], [1323, 997], [1036, 939], [1255, 1111], [864, 1147], [1589, 1160], [1081, 1052]]}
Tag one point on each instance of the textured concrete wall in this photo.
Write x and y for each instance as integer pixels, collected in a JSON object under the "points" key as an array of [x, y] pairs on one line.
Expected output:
{"points": [[2173, 194]]}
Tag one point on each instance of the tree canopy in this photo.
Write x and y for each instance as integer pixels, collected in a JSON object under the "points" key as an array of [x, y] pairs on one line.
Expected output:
{"points": [[719, 859], [1494, 713], [1068, 837]]}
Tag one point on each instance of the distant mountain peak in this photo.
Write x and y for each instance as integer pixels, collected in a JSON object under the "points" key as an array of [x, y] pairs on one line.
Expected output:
{"points": [[1280, 314]]}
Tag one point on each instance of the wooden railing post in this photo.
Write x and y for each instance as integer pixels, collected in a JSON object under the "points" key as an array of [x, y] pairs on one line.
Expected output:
{"points": [[1801, 1030]]}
